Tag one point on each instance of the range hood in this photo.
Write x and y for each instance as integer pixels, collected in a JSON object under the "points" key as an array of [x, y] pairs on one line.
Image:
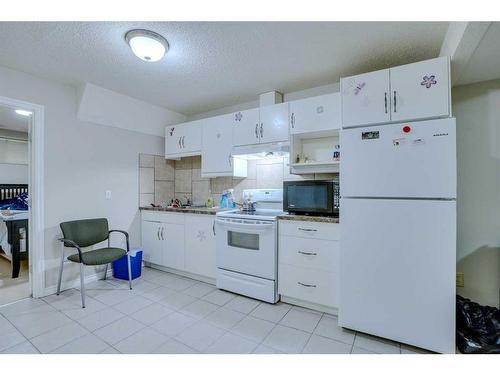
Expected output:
{"points": [[262, 151]]}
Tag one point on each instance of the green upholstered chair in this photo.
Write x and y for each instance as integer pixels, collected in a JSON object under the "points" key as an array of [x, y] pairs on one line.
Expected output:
{"points": [[89, 232]]}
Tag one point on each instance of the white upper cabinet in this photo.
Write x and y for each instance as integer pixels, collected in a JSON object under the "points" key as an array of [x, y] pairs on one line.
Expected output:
{"points": [[420, 90], [314, 114], [217, 136], [274, 123], [366, 99], [246, 127], [183, 139], [415, 91], [261, 125]]}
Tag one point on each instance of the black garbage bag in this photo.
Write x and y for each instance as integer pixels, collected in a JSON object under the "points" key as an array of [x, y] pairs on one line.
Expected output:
{"points": [[478, 327]]}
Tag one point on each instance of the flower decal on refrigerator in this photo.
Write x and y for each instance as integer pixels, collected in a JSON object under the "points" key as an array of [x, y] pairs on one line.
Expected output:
{"points": [[172, 131], [238, 116], [428, 81]]}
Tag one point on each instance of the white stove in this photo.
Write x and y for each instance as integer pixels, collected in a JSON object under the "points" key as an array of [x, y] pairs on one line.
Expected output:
{"points": [[262, 214], [247, 246]]}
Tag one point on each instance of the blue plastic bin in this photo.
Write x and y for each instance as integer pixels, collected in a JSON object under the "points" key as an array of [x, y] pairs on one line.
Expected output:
{"points": [[120, 266]]}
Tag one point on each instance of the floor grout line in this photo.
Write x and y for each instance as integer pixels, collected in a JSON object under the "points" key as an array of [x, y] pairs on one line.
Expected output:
{"points": [[117, 286]]}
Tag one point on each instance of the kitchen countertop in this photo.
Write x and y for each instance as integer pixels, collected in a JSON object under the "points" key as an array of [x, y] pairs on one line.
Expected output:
{"points": [[315, 219], [187, 210]]}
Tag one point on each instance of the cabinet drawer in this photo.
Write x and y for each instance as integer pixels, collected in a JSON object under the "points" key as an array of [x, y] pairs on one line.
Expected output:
{"points": [[163, 217], [308, 284], [308, 229], [309, 252]]}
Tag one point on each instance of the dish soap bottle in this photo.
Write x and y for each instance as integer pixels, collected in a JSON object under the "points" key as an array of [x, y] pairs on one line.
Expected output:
{"points": [[223, 200]]}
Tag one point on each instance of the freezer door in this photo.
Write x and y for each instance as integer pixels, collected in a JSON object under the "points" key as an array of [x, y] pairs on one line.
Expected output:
{"points": [[397, 277], [416, 159]]}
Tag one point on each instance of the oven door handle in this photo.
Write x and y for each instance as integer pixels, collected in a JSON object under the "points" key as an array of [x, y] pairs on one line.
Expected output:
{"points": [[245, 228]]}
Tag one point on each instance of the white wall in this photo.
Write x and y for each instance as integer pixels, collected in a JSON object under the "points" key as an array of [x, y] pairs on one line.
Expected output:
{"points": [[13, 173], [315, 91], [13, 152], [477, 110], [13, 161], [106, 107], [82, 160]]}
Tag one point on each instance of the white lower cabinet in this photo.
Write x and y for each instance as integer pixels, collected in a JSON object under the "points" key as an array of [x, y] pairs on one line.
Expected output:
{"points": [[199, 255], [152, 243], [181, 242], [173, 251], [308, 285], [308, 263]]}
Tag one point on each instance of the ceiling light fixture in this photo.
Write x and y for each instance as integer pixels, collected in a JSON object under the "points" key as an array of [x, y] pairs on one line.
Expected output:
{"points": [[23, 112], [147, 45]]}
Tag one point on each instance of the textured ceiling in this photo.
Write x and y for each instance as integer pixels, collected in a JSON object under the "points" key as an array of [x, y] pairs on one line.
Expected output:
{"points": [[484, 64], [211, 65], [10, 120]]}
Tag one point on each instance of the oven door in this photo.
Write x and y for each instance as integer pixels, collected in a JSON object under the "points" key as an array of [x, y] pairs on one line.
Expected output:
{"points": [[247, 246]]}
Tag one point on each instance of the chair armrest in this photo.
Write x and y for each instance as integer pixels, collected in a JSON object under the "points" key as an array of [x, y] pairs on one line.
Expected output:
{"points": [[124, 233], [70, 243]]}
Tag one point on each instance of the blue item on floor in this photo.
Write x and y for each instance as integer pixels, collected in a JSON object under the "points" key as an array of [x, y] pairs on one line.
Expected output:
{"points": [[120, 266]]}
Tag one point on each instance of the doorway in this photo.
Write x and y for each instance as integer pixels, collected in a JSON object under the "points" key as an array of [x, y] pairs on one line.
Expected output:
{"points": [[21, 200]]}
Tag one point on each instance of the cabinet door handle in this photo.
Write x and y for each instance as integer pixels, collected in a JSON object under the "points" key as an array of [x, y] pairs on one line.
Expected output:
{"points": [[180, 142], [293, 120], [306, 285], [261, 129], [162, 234], [230, 160], [257, 131], [308, 230], [385, 101], [395, 103], [213, 228], [183, 142], [158, 233], [306, 253]]}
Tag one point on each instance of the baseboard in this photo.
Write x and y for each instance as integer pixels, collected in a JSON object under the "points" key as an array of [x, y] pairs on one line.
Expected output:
{"points": [[76, 283], [205, 279], [310, 305]]}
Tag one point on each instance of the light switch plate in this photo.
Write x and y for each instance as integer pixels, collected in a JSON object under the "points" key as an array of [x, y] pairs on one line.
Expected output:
{"points": [[108, 194]]}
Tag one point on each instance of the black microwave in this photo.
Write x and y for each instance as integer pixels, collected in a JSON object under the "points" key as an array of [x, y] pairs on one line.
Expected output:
{"points": [[312, 197]]}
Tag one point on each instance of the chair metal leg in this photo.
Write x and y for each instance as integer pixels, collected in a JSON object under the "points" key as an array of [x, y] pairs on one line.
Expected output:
{"points": [[60, 270], [82, 284], [129, 272], [106, 271]]}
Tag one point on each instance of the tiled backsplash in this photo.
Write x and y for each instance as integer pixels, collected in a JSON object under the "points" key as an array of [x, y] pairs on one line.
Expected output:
{"points": [[161, 180]]}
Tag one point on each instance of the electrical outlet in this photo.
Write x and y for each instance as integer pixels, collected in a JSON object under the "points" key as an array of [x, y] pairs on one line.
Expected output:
{"points": [[460, 279]]}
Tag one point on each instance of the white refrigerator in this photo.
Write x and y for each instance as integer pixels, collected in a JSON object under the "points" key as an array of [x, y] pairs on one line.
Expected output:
{"points": [[398, 232]]}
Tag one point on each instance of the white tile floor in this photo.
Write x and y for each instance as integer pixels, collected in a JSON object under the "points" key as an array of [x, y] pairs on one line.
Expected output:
{"points": [[166, 313]]}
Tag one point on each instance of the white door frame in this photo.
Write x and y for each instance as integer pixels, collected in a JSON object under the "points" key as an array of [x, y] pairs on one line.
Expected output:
{"points": [[36, 194]]}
